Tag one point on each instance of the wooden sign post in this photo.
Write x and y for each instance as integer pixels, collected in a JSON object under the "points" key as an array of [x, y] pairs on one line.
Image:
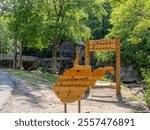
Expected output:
{"points": [[73, 83], [106, 45]]}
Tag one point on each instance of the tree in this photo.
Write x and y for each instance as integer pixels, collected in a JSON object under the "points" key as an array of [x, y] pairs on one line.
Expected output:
{"points": [[43, 23], [5, 41], [66, 20], [130, 20], [24, 23], [99, 27]]}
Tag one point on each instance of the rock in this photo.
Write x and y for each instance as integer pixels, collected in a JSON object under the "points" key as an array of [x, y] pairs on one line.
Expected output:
{"points": [[133, 85], [129, 75], [137, 90], [136, 104], [144, 86], [136, 85], [141, 95]]}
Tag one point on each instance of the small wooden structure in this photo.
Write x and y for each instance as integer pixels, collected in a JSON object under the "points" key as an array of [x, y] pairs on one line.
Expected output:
{"points": [[106, 45], [66, 54]]}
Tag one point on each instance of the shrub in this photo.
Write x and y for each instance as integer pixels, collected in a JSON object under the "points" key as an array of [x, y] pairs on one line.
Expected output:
{"points": [[146, 76]]}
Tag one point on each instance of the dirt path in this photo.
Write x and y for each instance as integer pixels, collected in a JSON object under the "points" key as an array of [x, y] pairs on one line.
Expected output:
{"points": [[6, 87], [26, 98]]}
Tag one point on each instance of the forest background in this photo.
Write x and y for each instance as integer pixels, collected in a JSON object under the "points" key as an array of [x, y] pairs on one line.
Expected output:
{"points": [[38, 26]]}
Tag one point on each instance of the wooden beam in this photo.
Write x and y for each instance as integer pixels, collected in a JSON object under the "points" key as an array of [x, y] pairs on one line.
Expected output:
{"points": [[118, 67], [65, 107], [87, 53], [79, 106]]}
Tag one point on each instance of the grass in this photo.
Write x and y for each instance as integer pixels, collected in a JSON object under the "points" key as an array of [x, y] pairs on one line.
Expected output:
{"points": [[135, 98], [33, 78], [105, 78], [146, 75]]}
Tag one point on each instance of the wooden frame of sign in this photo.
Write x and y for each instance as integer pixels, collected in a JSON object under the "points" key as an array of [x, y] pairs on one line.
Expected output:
{"points": [[105, 45]]}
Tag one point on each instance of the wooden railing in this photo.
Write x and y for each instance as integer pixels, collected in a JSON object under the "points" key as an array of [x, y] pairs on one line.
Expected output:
{"points": [[24, 58], [6, 60], [29, 58]]}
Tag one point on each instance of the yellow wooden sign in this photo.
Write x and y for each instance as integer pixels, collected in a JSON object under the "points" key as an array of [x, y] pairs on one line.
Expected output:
{"points": [[72, 85], [105, 45], [97, 45]]}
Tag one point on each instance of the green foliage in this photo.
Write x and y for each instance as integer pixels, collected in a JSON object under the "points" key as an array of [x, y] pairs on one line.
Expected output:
{"points": [[66, 20], [106, 78], [146, 75], [104, 57], [23, 22], [125, 17], [38, 23], [5, 42], [147, 96], [99, 30], [99, 25], [130, 20]]}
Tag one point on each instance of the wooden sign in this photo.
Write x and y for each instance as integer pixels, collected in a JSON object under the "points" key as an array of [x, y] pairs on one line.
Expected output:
{"points": [[105, 45], [97, 45], [72, 85]]}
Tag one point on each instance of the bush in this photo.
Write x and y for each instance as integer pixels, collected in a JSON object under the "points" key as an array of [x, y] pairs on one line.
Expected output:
{"points": [[146, 75]]}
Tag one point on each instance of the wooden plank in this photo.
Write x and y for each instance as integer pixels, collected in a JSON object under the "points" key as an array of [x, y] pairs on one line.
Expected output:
{"points": [[76, 83], [82, 78], [68, 90], [98, 86], [102, 42], [98, 72], [102, 48], [83, 67], [97, 45], [65, 96], [87, 53], [118, 66]]}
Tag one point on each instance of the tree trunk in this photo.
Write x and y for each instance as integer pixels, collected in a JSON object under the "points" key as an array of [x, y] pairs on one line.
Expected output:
{"points": [[15, 53], [54, 57], [0, 47], [19, 58]]}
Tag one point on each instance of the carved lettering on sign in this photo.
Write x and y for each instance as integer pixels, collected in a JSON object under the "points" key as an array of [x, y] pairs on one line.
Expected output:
{"points": [[97, 45]]}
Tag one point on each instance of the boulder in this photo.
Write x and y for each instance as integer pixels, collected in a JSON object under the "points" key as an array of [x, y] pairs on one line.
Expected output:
{"points": [[136, 85], [137, 105], [129, 75]]}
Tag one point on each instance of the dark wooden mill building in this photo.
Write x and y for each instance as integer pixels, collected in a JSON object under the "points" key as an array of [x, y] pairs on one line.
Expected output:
{"points": [[66, 54]]}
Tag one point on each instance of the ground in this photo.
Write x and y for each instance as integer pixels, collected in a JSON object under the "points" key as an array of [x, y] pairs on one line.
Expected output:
{"points": [[38, 97]]}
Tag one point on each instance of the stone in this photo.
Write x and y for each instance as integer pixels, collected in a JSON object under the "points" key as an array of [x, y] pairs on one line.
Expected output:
{"points": [[137, 85], [137, 90], [136, 104], [141, 95], [129, 75]]}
